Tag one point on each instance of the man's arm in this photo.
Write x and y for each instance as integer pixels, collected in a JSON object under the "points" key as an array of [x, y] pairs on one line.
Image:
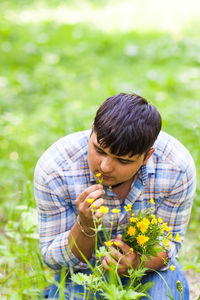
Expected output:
{"points": [[84, 240], [57, 222]]}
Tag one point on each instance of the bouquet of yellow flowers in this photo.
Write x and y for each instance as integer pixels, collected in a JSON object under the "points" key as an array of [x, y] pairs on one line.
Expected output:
{"points": [[145, 233]]}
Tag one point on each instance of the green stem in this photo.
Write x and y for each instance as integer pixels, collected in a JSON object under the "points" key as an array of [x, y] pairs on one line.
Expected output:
{"points": [[170, 294]]}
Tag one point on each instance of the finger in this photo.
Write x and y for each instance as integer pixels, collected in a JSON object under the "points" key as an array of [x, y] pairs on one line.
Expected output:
{"points": [[88, 191], [95, 194], [92, 197], [121, 259], [126, 257], [86, 208], [87, 211], [115, 253], [123, 247], [99, 202], [119, 237], [120, 269], [99, 214], [107, 261], [110, 260], [105, 264]]}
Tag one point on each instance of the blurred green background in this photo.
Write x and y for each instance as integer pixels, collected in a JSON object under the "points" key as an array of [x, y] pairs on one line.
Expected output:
{"points": [[58, 61]]}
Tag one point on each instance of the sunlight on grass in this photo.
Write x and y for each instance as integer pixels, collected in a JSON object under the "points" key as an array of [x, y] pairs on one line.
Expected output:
{"points": [[171, 16]]}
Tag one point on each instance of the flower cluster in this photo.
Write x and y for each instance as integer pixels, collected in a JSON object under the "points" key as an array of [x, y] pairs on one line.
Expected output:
{"points": [[145, 233]]}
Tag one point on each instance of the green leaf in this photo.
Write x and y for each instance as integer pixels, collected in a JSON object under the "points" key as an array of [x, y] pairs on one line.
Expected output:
{"points": [[147, 286], [153, 251], [80, 278], [131, 294]]}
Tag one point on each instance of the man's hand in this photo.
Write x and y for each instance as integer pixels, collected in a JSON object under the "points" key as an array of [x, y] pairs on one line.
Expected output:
{"points": [[85, 208], [123, 261]]}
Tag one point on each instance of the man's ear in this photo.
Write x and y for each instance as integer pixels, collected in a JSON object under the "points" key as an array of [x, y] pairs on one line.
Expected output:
{"points": [[151, 151]]}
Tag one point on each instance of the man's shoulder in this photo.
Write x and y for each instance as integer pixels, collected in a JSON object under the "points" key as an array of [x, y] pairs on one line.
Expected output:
{"points": [[64, 153], [172, 152]]}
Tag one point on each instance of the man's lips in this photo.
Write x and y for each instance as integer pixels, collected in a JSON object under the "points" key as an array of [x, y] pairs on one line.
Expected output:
{"points": [[106, 176]]}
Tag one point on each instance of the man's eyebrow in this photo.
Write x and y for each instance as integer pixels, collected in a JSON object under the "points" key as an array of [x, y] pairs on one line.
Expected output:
{"points": [[118, 157], [128, 160]]}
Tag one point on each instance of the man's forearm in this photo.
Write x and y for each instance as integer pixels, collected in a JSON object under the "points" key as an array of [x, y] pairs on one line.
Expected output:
{"points": [[80, 242]]}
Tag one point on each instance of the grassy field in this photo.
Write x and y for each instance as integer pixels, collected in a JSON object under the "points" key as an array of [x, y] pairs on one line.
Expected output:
{"points": [[53, 76]]}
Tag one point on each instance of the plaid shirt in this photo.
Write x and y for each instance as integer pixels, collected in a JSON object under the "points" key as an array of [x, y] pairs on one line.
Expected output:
{"points": [[62, 173]]}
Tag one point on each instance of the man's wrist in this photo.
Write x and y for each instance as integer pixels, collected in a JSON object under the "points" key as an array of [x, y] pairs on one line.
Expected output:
{"points": [[87, 231]]}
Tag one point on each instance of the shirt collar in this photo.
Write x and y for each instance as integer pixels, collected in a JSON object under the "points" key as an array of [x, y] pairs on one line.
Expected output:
{"points": [[147, 169]]}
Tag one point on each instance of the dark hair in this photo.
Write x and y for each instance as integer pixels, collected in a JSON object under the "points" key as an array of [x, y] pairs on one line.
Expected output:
{"points": [[127, 124]]}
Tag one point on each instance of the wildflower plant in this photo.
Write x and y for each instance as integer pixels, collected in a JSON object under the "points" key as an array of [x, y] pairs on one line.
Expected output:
{"points": [[148, 236], [144, 234]]}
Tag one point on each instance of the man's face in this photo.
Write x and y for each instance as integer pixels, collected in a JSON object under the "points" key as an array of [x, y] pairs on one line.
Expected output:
{"points": [[114, 169]]}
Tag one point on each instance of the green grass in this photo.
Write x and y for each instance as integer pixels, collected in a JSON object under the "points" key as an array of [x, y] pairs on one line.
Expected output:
{"points": [[52, 79]]}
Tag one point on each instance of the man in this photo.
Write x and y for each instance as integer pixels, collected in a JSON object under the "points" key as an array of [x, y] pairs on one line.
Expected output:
{"points": [[137, 163]]}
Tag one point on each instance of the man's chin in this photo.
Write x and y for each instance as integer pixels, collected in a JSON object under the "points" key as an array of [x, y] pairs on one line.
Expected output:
{"points": [[108, 183]]}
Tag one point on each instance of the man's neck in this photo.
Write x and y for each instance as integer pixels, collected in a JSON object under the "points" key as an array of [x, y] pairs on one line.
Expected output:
{"points": [[110, 187], [122, 189]]}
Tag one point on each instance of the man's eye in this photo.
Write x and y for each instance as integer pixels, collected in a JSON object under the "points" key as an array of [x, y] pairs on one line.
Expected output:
{"points": [[99, 151], [124, 162]]}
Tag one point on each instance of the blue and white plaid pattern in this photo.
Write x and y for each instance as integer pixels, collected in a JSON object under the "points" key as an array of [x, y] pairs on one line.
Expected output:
{"points": [[62, 173]]}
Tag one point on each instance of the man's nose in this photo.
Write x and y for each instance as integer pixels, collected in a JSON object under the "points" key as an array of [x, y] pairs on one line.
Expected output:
{"points": [[106, 165]]}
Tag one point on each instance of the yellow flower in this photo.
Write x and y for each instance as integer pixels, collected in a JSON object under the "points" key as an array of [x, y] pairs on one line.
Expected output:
{"points": [[133, 220], [131, 249], [142, 239], [160, 220], [172, 268], [153, 216], [169, 236], [152, 201], [98, 175], [165, 226], [93, 206], [90, 200], [131, 230], [146, 221], [154, 221], [143, 225], [99, 178], [116, 243], [128, 207], [104, 209], [108, 244], [177, 237], [165, 242], [168, 246], [115, 210]]}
